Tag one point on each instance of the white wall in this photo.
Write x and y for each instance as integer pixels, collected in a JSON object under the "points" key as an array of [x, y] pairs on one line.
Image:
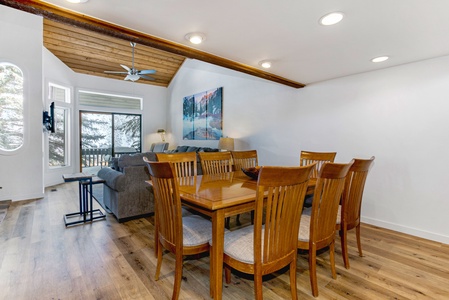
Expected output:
{"points": [[24, 174], [21, 175], [153, 113], [398, 115]]}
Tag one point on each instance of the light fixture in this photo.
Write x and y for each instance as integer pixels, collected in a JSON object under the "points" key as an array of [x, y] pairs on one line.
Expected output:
{"points": [[77, 1], [266, 64], [162, 133], [331, 18], [195, 37], [226, 143], [379, 59], [132, 77]]}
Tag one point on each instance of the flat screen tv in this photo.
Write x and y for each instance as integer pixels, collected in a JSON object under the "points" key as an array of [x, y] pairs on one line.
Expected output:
{"points": [[49, 119]]}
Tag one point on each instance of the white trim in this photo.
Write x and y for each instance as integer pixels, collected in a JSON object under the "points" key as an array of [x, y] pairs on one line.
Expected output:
{"points": [[407, 230], [25, 110]]}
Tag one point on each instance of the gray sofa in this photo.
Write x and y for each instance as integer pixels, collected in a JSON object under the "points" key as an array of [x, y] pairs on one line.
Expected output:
{"points": [[193, 149], [125, 192]]}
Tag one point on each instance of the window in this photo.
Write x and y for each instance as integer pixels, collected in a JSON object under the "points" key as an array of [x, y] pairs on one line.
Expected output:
{"points": [[110, 125], [11, 107], [103, 135], [58, 142], [110, 101]]}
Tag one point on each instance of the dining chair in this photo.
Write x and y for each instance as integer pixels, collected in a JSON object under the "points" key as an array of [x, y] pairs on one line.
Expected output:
{"points": [[317, 225], [179, 235], [310, 157], [348, 216], [270, 244], [185, 163], [215, 162], [243, 159]]}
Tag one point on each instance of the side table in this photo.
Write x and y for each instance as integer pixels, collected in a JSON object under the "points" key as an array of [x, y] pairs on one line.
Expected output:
{"points": [[86, 212]]}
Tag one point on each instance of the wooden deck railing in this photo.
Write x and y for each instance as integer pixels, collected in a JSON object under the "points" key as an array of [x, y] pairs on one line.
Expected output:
{"points": [[99, 157], [95, 157]]}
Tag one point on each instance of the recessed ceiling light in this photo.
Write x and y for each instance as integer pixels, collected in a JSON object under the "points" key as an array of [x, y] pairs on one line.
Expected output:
{"points": [[332, 18], [379, 59], [77, 1], [266, 64], [195, 37]]}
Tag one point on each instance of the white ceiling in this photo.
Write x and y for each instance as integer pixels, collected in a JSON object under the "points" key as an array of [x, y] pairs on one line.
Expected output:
{"points": [[288, 33]]}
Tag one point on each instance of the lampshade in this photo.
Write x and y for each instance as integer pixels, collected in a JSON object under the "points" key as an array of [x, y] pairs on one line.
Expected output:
{"points": [[161, 131], [226, 143]]}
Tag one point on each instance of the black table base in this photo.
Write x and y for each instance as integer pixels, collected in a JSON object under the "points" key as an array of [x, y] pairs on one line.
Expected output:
{"points": [[86, 212]]}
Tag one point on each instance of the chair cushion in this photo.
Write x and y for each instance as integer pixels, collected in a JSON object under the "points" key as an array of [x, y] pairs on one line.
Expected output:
{"points": [[239, 244], [185, 212], [304, 226], [196, 230]]}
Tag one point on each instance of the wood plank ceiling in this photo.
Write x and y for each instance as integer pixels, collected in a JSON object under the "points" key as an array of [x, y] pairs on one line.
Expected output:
{"points": [[91, 46], [91, 53]]}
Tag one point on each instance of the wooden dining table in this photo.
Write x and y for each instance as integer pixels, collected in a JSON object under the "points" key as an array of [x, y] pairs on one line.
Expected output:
{"points": [[219, 196]]}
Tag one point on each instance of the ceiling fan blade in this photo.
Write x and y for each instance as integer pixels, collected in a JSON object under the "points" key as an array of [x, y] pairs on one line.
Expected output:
{"points": [[146, 77], [147, 72], [115, 72], [126, 68]]}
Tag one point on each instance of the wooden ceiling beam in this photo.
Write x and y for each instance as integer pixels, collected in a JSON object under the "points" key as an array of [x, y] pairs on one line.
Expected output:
{"points": [[71, 18]]}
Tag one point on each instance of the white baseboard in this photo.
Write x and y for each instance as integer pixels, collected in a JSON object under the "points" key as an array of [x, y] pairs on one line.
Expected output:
{"points": [[408, 230]]}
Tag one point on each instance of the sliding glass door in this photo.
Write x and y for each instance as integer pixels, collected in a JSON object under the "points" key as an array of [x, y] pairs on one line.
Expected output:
{"points": [[105, 135]]}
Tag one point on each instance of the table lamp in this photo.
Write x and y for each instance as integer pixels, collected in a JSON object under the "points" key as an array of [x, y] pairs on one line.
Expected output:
{"points": [[226, 143], [162, 133]]}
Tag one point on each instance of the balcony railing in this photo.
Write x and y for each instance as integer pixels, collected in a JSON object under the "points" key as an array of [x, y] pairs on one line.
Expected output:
{"points": [[99, 157]]}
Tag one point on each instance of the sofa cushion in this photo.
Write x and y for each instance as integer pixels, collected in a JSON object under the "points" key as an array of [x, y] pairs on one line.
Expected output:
{"points": [[135, 159], [192, 149], [207, 149], [182, 148], [114, 163]]}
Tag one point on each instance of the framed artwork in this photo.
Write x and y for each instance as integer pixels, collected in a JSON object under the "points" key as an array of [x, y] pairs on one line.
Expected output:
{"points": [[202, 115]]}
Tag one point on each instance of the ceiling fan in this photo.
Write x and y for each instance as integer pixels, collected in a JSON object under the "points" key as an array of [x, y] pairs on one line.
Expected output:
{"points": [[132, 73]]}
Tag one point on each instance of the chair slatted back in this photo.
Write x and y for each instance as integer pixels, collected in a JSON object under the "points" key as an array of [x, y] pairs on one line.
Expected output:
{"points": [[168, 205], [353, 191], [309, 157], [279, 201], [244, 159], [215, 162], [326, 199], [185, 163]]}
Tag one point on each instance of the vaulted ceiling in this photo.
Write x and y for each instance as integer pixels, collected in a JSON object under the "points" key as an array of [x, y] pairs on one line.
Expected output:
{"points": [[94, 36], [92, 46], [92, 53]]}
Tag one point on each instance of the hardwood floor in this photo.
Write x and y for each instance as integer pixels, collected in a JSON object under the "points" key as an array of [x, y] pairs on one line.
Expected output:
{"points": [[42, 259]]}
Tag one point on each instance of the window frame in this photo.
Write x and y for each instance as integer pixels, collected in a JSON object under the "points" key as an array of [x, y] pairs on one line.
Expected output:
{"points": [[67, 106], [25, 104]]}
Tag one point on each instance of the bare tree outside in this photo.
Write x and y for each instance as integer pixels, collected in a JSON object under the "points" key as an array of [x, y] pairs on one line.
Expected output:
{"points": [[11, 107]]}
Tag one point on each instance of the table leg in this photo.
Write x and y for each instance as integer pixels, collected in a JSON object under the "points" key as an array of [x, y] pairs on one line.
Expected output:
{"points": [[80, 197], [91, 202], [216, 279], [85, 206]]}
